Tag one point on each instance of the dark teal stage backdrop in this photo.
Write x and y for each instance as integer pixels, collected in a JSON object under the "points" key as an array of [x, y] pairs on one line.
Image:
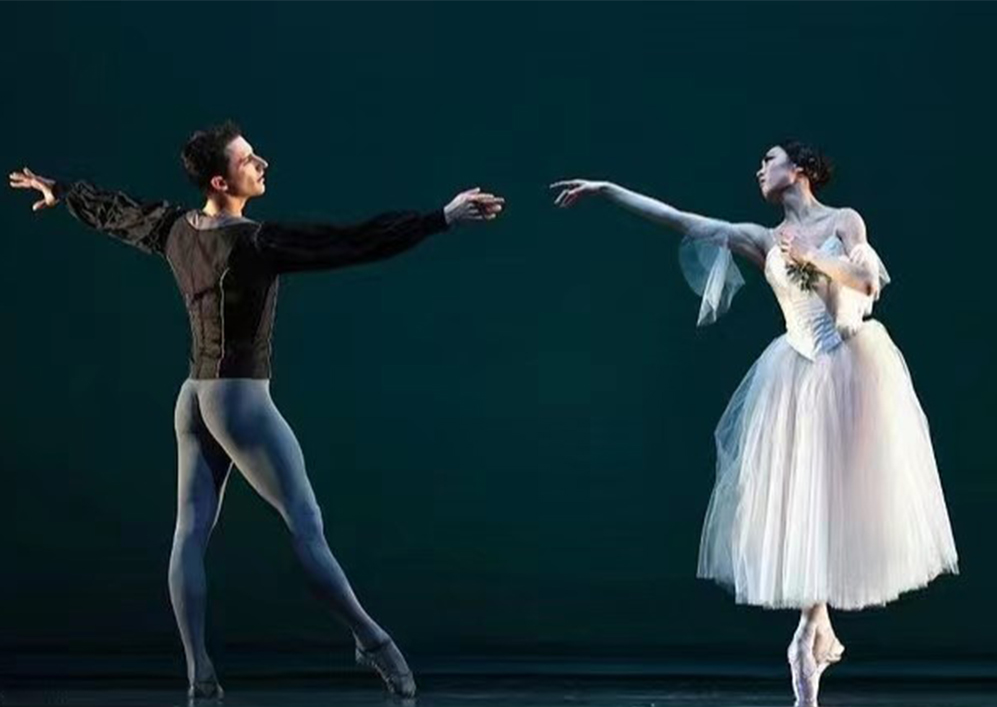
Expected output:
{"points": [[509, 428]]}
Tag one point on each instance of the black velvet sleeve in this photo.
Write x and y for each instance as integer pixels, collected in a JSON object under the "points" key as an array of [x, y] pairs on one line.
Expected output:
{"points": [[295, 248], [144, 225]]}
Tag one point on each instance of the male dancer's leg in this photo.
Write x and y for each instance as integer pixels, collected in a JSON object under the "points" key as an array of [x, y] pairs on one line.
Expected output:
{"points": [[203, 469], [243, 418]]}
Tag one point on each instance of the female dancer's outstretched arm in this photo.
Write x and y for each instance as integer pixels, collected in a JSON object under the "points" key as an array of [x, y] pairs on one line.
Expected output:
{"points": [[747, 239]]}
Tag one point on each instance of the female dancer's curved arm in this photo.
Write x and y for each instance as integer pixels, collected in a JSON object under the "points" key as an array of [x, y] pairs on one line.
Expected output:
{"points": [[747, 239], [858, 272]]}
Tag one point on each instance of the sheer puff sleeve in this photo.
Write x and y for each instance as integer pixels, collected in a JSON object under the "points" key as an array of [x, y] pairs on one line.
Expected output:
{"points": [[708, 266]]}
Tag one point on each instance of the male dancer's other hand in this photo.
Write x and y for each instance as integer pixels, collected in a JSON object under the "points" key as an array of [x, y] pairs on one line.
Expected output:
{"points": [[473, 205], [573, 189], [26, 179]]}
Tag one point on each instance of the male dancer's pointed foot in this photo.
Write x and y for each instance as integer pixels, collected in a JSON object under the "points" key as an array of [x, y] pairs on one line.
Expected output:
{"points": [[389, 663], [204, 690]]}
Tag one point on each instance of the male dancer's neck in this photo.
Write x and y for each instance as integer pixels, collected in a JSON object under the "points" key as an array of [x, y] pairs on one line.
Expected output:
{"points": [[224, 205]]}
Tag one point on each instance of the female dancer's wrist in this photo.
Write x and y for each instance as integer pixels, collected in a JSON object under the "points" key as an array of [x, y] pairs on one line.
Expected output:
{"points": [[608, 189]]}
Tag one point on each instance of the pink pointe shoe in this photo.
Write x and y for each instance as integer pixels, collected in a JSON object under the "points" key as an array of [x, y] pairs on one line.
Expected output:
{"points": [[806, 667]]}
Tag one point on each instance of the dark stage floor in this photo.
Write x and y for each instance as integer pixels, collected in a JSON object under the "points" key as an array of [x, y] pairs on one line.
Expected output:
{"points": [[500, 692]]}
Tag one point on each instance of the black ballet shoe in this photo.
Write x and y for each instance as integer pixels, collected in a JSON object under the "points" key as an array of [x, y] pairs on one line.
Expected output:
{"points": [[388, 662], [205, 690]]}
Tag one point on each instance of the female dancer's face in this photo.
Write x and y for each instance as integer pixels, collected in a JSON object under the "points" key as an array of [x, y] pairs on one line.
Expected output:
{"points": [[246, 170], [776, 174]]}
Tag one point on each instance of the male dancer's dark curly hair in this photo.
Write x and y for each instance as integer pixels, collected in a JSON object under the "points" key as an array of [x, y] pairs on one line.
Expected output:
{"points": [[204, 155], [815, 164]]}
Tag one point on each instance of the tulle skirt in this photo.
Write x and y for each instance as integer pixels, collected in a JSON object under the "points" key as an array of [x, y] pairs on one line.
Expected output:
{"points": [[826, 489]]}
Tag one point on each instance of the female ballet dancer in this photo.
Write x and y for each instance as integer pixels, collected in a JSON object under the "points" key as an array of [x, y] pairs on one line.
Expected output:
{"points": [[827, 493], [227, 269]]}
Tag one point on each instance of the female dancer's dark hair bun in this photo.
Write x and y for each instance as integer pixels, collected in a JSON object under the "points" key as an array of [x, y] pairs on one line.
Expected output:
{"points": [[812, 161]]}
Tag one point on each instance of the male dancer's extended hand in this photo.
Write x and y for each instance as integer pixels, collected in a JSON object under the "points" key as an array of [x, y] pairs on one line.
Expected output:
{"points": [[26, 179], [473, 205]]}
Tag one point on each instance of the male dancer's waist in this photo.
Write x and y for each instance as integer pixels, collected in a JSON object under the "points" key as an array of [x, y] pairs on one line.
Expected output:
{"points": [[236, 365]]}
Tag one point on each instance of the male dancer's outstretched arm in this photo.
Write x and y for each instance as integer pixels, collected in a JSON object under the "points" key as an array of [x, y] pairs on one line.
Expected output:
{"points": [[141, 224], [299, 247], [285, 247]]}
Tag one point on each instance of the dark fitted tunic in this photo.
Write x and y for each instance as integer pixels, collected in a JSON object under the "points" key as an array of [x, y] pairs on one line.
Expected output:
{"points": [[227, 268]]}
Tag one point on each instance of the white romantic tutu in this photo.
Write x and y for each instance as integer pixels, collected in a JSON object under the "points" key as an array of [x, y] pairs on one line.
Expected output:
{"points": [[826, 489]]}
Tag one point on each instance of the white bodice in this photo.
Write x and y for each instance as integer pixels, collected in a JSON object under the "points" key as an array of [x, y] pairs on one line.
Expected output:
{"points": [[817, 321]]}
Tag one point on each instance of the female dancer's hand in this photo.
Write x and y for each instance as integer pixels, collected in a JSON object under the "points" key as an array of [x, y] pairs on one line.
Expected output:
{"points": [[473, 205], [26, 179], [573, 189], [793, 248]]}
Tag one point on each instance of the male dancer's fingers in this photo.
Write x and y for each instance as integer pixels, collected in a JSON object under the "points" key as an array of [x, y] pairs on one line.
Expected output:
{"points": [[484, 215], [487, 201], [20, 184], [39, 205]]}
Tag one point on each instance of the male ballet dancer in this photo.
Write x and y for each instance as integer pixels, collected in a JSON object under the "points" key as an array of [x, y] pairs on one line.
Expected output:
{"points": [[227, 269]]}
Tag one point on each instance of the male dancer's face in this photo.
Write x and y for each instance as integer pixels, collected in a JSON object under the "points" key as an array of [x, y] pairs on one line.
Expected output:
{"points": [[246, 170]]}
